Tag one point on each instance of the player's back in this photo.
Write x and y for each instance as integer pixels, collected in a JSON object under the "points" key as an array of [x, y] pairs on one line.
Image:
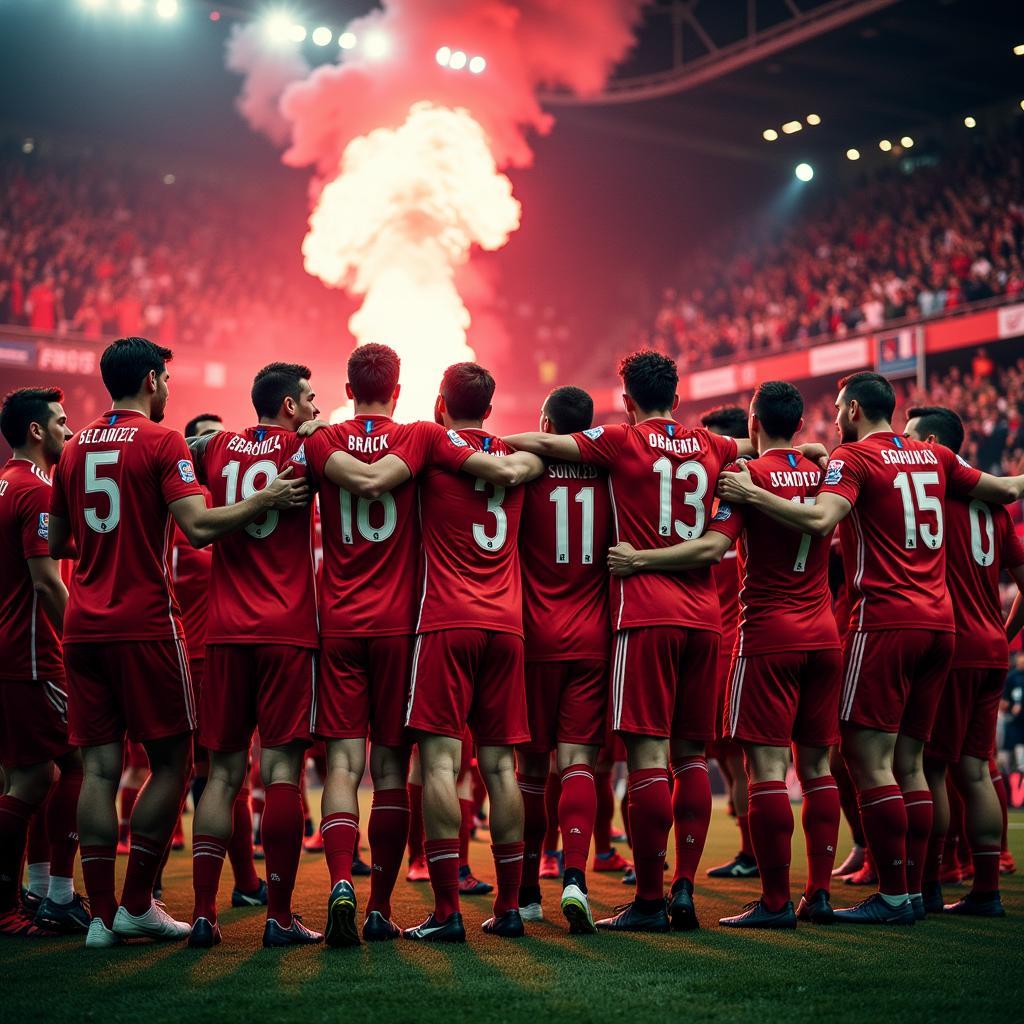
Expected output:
{"points": [[263, 581], [190, 571], [565, 533], [114, 484], [29, 648], [470, 529]]}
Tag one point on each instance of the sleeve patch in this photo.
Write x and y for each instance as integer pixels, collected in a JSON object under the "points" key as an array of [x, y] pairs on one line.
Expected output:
{"points": [[834, 473], [459, 442], [300, 455], [43, 527], [724, 512], [186, 471], [593, 433]]}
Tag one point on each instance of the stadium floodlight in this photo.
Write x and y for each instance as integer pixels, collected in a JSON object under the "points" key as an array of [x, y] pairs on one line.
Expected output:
{"points": [[969, 122], [458, 61], [852, 154], [277, 26], [792, 127], [443, 55], [347, 40], [169, 179], [1018, 50], [804, 172], [477, 65], [769, 135], [28, 146], [376, 44], [131, 6], [1022, 104], [906, 142], [166, 9], [296, 32], [322, 36], [813, 119], [94, 5], [885, 145]]}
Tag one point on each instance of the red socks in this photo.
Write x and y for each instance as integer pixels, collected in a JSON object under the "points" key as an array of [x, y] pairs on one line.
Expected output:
{"points": [[282, 842], [38, 842], [62, 823], [15, 816], [577, 808], [986, 870], [605, 811], [650, 818], [1000, 786], [820, 819], [144, 862], [771, 832], [468, 809], [415, 821], [98, 872], [388, 831], [691, 810], [552, 794], [339, 831], [208, 854], [884, 818], [746, 846], [243, 867], [443, 865], [534, 825], [508, 870], [919, 831]]}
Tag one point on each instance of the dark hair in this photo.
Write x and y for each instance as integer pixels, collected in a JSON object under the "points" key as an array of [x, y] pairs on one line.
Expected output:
{"points": [[569, 409], [126, 362], [872, 392], [945, 424], [729, 420], [778, 406], [373, 372], [276, 382], [24, 407], [467, 389], [650, 379], [193, 424]]}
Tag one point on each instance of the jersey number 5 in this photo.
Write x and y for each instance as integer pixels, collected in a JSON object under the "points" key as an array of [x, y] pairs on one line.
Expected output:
{"points": [[102, 485]]}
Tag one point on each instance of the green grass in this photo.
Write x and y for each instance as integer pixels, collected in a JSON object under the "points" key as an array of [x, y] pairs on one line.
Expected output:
{"points": [[948, 970]]}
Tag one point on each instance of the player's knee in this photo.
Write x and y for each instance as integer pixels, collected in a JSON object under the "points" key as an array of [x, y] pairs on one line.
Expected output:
{"points": [[31, 785]]}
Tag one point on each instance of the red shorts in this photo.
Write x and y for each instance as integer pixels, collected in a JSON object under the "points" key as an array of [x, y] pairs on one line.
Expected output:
{"points": [[665, 682], [363, 688], [141, 688], [472, 676], [567, 702], [965, 725], [248, 686], [33, 721], [200, 756], [785, 697], [893, 679]]}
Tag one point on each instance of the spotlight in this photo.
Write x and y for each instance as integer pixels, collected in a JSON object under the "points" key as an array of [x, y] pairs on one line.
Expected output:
{"points": [[804, 172], [885, 145], [94, 5], [131, 6], [296, 32], [214, 15], [169, 179], [28, 146], [376, 44], [277, 27], [969, 122], [853, 154], [458, 61], [1022, 104], [769, 135], [166, 9], [813, 119], [477, 65], [322, 36], [791, 127], [347, 40], [906, 142], [443, 55], [1018, 50]]}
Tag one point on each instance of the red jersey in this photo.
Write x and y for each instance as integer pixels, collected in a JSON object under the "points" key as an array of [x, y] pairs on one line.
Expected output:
{"points": [[982, 542], [470, 546], [114, 483], [893, 550], [372, 547], [190, 570], [562, 545], [263, 580], [29, 647], [784, 597], [661, 478]]}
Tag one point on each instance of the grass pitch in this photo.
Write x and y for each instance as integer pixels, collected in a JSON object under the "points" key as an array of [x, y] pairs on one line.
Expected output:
{"points": [[943, 970]]}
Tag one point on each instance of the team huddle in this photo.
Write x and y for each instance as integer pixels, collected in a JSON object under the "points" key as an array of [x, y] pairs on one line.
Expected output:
{"points": [[513, 599]]}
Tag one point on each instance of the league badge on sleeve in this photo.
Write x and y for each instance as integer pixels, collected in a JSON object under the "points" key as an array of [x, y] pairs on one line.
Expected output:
{"points": [[834, 473], [43, 529], [456, 440], [186, 471], [724, 512], [593, 433], [300, 455]]}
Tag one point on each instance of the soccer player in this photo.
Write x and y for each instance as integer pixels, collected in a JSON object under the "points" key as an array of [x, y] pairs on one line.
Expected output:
{"points": [[886, 492], [786, 668], [467, 658], [118, 484], [566, 528], [981, 543], [667, 630], [261, 653], [33, 694], [731, 421]]}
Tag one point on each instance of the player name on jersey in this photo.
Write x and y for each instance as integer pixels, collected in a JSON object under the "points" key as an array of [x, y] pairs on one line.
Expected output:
{"points": [[572, 471], [795, 478], [677, 445], [106, 435], [908, 457], [245, 446]]}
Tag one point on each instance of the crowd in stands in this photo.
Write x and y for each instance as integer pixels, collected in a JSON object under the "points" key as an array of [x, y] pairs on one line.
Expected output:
{"points": [[908, 243]]}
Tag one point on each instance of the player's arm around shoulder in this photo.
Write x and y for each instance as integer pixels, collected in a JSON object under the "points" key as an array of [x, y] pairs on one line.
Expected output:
{"points": [[507, 471], [708, 549], [562, 447], [366, 479]]}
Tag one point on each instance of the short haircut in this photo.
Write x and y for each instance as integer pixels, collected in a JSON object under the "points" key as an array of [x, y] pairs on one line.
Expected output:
{"points": [[276, 382], [778, 406], [24, 407], [373, 372], [650, 379], [126, 363], [570, 409], [467, 390], [945, 424], [729, 420], [193, 424], [872, 392]]}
